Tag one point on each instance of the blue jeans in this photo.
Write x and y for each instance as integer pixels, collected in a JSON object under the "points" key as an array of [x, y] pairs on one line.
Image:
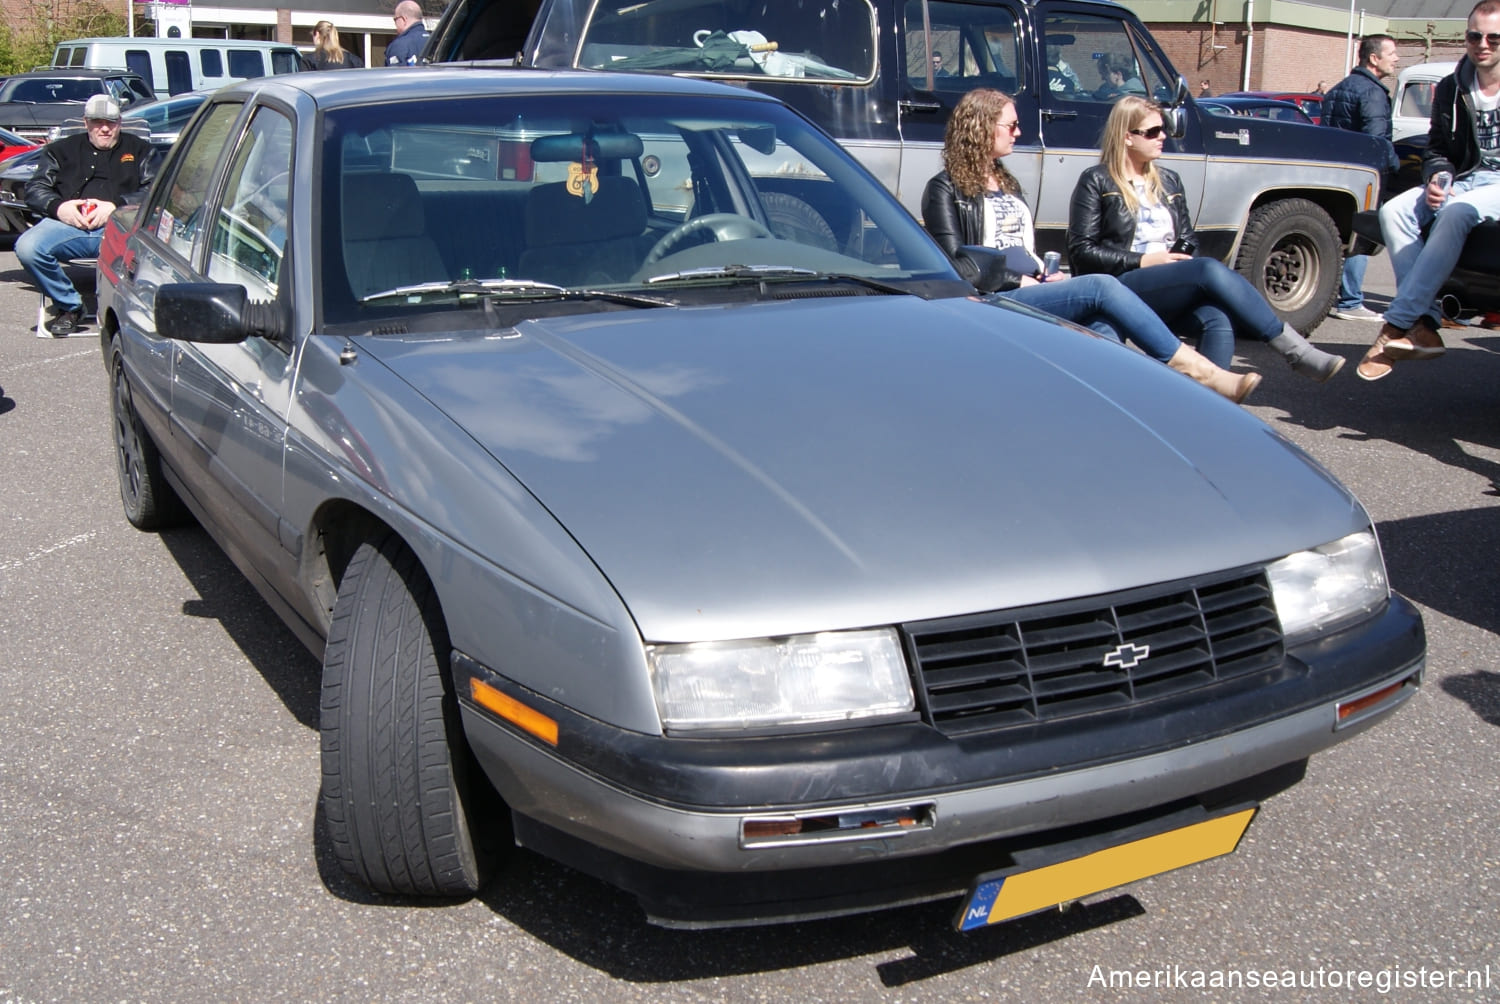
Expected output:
{"points": [[1178, 289], [1352, 282], [1088, 299], [41, 251], [1423, 266], [1210, 328]]}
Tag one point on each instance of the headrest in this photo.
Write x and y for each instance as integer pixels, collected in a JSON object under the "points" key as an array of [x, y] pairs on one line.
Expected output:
{"points": [[568, 147], [382, 206], [556, 216]]}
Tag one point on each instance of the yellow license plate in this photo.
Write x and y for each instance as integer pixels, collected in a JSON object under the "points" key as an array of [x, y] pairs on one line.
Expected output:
{"points": [[1017, 891]]}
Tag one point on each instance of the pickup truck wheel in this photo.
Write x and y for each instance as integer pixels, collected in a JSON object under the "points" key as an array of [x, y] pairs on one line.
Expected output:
{"points": [[150, 503], [402, 796], [1291, 253]]}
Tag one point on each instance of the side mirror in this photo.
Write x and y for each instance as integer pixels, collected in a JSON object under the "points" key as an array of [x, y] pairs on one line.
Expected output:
{"points": [[214, 313]]}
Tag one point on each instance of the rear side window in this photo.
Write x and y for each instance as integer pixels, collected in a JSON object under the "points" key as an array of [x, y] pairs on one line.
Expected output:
{"points": [[179, 71], [285, 61], [971, 45], [246, 63], [211, 63], [139, 61], [1416, 100]]}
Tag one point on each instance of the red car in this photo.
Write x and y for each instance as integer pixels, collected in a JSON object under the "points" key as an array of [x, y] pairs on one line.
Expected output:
{"points": [[1312, 104], [11, 144]]}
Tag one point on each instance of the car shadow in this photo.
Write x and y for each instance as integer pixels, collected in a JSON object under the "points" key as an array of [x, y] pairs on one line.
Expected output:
{"points": [[1431, 559], [225, 595], [1480, 690]]}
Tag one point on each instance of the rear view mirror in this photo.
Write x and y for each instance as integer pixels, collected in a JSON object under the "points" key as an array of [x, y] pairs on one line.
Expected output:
{"points": [[214, 313]]}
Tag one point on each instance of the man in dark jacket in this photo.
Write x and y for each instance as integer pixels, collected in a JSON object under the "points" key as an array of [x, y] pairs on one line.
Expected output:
{"points": [[1360, 103], [80, 181], [1461, 175], [406, 48]]}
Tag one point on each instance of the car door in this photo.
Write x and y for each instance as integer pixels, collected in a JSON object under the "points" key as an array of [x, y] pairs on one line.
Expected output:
{"points": [[1077, 40], [161, 250], [229, 402], [981, 45]]}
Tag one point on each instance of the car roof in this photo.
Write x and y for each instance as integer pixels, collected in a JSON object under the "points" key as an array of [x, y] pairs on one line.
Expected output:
{"points": [[399, 83], [1426, 71], [74, 72]]}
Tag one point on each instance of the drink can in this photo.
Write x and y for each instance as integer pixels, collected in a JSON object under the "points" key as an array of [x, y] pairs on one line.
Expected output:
{"points": [[1050, 262]]}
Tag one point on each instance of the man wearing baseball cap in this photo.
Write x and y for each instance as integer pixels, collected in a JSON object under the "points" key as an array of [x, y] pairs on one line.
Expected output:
{"points": [[78, 184]]}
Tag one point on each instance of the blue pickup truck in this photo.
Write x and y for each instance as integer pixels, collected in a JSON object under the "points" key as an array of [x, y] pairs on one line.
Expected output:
{"points": [[1276, 200]]}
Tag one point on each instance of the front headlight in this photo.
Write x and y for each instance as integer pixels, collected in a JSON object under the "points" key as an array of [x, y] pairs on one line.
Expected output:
{"points": [[1317, 589], [799, 680]]}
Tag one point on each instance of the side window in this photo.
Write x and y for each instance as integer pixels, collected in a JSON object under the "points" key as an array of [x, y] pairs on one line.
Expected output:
{"points": [[968, 46], [1096, 59], [246, 63], [179, 71], [250, 230], [139, 61], [285, 61], [211, 62], [174, 214], [1416, 100]]}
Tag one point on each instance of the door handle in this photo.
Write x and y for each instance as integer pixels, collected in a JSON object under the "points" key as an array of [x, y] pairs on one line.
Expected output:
{"points": [[920, 107], [1051, 115]]}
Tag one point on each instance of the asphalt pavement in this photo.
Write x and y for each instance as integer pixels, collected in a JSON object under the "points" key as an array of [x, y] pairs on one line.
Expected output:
{"points": [[159, 835]]}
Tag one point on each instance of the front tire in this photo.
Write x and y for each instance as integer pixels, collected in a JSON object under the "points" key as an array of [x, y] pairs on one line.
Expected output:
{"points": [[1292, 254], [401, 794]]}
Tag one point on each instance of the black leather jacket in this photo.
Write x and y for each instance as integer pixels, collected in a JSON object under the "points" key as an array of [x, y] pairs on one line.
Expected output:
{"points": [[954, 220], [71, 168], [1101, 227]]}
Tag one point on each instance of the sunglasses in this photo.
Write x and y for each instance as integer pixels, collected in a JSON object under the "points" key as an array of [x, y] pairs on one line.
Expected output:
{"points": [[1155, 132], [1012, 126], [1475, 37]]}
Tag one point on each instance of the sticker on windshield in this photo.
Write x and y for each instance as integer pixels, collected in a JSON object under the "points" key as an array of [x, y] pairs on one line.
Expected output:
{"points": [[164, 226]]}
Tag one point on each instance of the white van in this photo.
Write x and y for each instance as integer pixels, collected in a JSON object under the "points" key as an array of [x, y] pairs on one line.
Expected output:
{"points": [[175, 65], [1411, 109]]}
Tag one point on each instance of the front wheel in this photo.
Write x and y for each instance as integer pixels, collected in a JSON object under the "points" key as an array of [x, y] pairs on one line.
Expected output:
{"points": [[1291, 252], [402, 796], [149, 501]]}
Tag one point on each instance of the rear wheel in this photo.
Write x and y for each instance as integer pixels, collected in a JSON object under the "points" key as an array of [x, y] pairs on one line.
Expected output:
{"points": [[149, 501], [1291, 252], [402, 796]]}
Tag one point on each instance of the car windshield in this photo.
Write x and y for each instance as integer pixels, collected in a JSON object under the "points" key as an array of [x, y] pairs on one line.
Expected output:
{"points": [[428, 202]]}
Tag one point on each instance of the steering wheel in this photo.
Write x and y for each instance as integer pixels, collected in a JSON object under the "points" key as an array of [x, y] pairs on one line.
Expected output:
{"points": [[723, 227]]}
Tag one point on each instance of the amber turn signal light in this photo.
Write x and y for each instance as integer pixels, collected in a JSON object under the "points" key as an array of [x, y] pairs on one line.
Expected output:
{"points": [[513, 711]]}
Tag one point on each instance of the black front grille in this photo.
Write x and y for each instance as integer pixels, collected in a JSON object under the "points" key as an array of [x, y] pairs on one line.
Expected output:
{"points": [[992, 671]]}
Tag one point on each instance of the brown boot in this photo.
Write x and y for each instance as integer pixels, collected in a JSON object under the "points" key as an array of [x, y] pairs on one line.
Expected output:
{"points": [[1377, 362], [1235, 386], [1421, 341]]}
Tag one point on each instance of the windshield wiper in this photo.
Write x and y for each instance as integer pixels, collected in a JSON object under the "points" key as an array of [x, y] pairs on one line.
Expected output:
{"points": [[756, 273], [518, 289]]}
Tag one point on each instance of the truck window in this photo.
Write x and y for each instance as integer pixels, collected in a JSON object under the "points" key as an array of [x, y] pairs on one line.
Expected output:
{"points": [[1095, 59], [179, 71], [832, 42], [285, 61], [246, 63], [211, 62], [1416, 100], [139, 61], [970, 45]]}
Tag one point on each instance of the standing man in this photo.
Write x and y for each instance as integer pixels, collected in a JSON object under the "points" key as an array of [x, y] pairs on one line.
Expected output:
{"points": [[1461, 189], [411, 35], [80, 181], [1360, 103]]}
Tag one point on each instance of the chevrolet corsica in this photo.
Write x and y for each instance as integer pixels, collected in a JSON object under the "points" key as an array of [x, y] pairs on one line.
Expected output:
{"points": [[658, 498]]}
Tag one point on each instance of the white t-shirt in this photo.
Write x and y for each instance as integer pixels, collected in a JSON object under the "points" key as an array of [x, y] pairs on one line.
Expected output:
{"points": [[1154, 229], [1007, 224], [1487, 128]]}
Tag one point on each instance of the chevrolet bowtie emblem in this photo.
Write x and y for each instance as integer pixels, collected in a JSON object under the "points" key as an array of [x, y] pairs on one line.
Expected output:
{"points": [[1127, 655]]}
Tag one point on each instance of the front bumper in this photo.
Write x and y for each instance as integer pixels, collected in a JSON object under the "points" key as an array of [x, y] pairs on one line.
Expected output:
{"points": [[638, 816]]}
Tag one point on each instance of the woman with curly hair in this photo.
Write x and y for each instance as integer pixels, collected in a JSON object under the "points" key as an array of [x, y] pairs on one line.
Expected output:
{"points": [[977, 201], [1129, 219]]}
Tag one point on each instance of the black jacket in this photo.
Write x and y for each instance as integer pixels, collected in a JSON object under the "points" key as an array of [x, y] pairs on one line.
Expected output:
{"points": [[1360, 103], [72, 168], [1451, 143], [320, 60], [954, 220], [1101, 227]]}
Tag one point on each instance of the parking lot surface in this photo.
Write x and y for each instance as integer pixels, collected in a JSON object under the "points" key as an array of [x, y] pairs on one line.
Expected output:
{"points": [[159, 771]]}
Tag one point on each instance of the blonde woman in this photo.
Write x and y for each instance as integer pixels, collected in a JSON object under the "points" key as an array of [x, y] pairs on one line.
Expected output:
{"points": [[1130, 219], [328, 54]]}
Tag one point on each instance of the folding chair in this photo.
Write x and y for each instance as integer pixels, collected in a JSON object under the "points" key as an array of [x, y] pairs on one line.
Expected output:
{"points": [[41, 307]]}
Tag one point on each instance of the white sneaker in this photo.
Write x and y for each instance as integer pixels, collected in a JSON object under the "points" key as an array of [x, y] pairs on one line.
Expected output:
{"points": [[1360, 313]]}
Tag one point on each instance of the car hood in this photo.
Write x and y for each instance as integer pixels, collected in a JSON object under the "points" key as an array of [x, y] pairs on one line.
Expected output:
{"points": [[786, 467]]}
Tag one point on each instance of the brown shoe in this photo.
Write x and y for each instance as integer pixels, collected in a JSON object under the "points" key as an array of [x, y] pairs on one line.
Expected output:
{"points": [[1421, 341], [1377, 364]]}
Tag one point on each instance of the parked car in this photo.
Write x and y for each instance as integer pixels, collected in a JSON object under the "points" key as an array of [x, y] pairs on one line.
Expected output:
{"points": [[1275, 204], [1255, 107], [11, 144], [764, 573], [157, 121], [32, 103], [1411, 107], [1311, 104]]}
